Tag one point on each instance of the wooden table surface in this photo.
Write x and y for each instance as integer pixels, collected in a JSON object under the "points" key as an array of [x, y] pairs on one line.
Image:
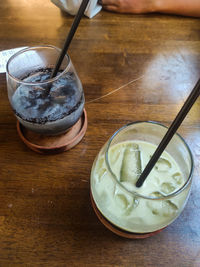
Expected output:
{"points": [[133, 67]]}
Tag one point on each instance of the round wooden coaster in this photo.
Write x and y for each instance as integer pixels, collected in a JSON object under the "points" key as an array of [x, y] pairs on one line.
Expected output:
{"points": [[54, 144], [117, 230]]}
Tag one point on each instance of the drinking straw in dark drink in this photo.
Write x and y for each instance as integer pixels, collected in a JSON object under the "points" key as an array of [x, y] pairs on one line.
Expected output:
{"points": [[169, 134], [70, 36]]}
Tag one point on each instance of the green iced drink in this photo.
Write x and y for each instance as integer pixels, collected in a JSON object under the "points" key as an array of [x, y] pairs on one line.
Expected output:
{"points": [[138, 210]]}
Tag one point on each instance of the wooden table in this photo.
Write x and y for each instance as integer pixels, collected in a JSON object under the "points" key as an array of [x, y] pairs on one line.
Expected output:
{"points": [[150, 63]]}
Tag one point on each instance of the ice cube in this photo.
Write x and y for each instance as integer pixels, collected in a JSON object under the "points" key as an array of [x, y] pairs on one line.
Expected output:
{"points": [[131, 164], [125, 202], [115, 155], [121, 201], [167, 188], [100, 169], [161, 207], [169, 208], [177, 177], [163, 165], [155, 205]]}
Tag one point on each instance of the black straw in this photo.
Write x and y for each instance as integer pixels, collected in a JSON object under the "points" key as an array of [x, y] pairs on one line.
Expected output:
{"points": [[171, 131], [70, 36]]}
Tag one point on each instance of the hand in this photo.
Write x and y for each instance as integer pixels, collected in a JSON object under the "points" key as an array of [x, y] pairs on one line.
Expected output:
{"points": [[128, 6], [178, 7]]}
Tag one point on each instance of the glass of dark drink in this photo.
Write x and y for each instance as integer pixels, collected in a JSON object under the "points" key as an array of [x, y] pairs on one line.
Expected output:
{"points": [[45, 105]]}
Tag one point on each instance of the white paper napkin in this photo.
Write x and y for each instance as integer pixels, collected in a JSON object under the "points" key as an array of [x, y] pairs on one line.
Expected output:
{"points": [[5, 55], [72, 6]]}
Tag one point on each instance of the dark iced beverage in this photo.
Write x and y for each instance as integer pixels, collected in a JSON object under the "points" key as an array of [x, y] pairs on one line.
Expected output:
{"points": [[41, 104], [48, 110]]}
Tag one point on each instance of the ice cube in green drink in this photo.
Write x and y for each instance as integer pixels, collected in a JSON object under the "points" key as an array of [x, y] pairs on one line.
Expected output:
{"points": [[131, 167]]}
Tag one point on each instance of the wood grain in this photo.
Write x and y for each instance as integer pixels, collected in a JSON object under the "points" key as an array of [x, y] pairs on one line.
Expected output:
{"points": [[46, 218]]}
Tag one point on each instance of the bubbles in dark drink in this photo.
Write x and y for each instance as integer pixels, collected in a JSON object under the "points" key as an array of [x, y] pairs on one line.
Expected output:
{"points": [[54, 106]]}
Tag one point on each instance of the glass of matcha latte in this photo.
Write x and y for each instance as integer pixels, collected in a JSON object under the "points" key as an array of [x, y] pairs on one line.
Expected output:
{"points": [[140, 212]]}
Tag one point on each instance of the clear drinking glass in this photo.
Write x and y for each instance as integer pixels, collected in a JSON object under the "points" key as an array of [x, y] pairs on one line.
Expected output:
{"points": [[41, 104], [160, 200]]}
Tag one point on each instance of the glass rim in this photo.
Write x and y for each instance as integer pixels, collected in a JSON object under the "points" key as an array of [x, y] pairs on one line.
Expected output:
{"points": [[34, 48], [135, 194]]}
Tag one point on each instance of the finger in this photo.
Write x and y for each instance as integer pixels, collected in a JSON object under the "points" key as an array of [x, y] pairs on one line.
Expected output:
{"points": [[110, 8], [106, 2]]}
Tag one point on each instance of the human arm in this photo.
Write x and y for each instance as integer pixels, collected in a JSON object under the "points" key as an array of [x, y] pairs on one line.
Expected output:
{"points": [[179, 7]]}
